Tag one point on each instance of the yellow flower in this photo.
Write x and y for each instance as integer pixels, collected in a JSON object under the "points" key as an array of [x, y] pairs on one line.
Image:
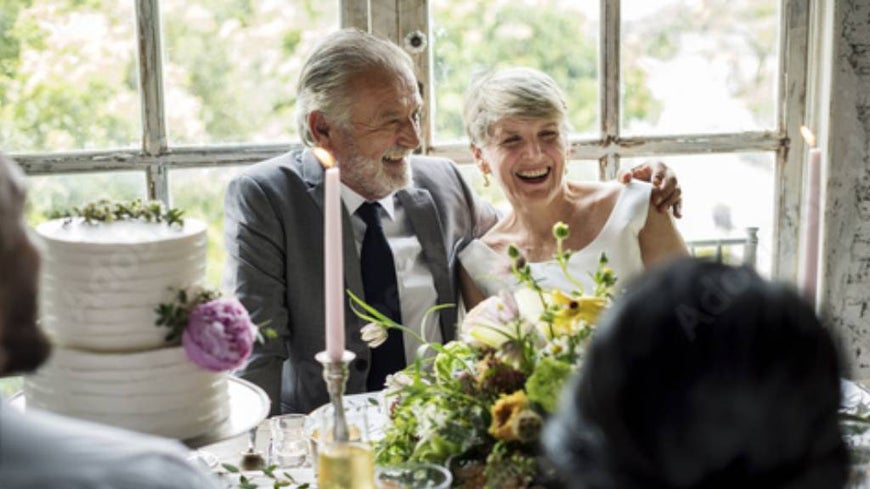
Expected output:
{"points": [[574, 312], [513, 420]]}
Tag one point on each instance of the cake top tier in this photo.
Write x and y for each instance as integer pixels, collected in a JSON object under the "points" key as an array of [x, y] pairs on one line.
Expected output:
{"points": [[76, 231]]}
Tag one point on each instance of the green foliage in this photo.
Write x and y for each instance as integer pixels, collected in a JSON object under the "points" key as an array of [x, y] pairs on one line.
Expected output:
{"points": [[562, 44], [545, 384], [174, 315], [107, 210], [52, 195]]}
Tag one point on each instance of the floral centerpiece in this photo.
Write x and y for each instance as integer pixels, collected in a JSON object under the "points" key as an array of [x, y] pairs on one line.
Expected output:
{"points": [[478, 405]]}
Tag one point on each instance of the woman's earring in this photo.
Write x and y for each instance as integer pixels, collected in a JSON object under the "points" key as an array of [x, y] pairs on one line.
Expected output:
{"points": [[485, 179]]}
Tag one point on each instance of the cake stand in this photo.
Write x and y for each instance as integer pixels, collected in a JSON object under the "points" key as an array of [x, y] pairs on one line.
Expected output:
{"points": [[249, 406]]}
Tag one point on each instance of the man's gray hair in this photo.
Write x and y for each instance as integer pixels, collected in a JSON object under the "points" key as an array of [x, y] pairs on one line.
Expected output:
{"points": [[324, 82], [11, 202], [511, 92]]}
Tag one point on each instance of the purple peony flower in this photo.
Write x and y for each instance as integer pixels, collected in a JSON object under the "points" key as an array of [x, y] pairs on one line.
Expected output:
{"points": [[219, 335]]}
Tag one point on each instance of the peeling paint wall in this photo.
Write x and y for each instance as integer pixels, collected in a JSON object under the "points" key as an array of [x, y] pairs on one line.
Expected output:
{"points": [[845, 301]]}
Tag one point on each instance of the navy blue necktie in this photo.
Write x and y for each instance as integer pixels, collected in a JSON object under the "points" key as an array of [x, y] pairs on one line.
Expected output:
{"points": [[382, 293]]}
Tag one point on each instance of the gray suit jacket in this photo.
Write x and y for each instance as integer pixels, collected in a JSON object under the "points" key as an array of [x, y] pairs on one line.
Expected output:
{"points": [[274, 238]]}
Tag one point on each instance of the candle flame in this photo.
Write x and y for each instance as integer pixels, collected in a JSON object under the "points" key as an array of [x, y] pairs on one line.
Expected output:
{"points": [[324, 157], [808, 135]]}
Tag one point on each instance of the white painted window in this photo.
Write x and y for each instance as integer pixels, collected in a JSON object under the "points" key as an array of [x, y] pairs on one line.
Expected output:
{"points": [[170, 98]]}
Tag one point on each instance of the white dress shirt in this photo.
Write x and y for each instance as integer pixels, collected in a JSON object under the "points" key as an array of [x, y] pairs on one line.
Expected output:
{"points": [[416, 286]]}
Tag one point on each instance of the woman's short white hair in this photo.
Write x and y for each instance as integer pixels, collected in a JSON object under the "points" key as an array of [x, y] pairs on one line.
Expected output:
{"points": [[324, 82], [12, 192], [511, 92]]}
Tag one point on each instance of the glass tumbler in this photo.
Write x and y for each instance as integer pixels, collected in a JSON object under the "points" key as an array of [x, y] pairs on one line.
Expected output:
{"points": [[344, 465], [289, 443]]}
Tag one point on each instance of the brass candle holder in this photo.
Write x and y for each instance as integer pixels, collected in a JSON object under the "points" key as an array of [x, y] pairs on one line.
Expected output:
{"points": [[335, 375]]}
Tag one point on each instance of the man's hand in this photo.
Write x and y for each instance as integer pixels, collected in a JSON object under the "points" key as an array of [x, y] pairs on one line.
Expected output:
{"points": [[666, 191]]}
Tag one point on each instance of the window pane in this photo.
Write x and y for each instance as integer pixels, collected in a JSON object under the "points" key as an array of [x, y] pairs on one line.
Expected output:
{"points": [[205, 202], [723, 195], [68, 75], [231, 67], [557, 37], [57, 193], [699, 66]]}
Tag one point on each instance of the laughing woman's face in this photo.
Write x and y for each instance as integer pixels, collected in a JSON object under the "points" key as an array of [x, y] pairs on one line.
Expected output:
{"points": [[527, 157]]}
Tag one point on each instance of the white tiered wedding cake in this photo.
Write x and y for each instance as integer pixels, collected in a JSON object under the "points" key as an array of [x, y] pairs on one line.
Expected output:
{"points": [[101, 285]]}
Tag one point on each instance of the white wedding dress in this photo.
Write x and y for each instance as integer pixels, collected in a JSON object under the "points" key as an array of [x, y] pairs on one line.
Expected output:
{"points": [[491, 271]]}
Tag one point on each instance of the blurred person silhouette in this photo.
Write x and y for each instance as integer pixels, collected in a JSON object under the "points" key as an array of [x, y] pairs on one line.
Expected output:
{"points": [[42, 450], [703, 376]]}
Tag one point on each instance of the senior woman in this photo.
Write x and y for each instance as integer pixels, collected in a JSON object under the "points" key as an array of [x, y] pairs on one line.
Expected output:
{"points": [[517, 121]]}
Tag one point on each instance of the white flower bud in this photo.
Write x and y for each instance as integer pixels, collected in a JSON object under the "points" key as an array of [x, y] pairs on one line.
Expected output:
{"points": [[374, 334]]}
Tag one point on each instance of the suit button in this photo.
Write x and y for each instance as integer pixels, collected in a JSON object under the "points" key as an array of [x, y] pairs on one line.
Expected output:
{"points": [[360, 365]]}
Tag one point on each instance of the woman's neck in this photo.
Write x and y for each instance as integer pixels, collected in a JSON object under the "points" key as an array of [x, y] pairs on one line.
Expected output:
{"points": [[535, 220]]}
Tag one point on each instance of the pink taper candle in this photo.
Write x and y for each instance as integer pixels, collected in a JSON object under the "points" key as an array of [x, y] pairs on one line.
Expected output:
{"points": [[333, 269], [810, 258]]}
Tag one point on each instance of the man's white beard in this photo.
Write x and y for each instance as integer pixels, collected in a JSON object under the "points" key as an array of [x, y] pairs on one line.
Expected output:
{"points": [[371, 179]]}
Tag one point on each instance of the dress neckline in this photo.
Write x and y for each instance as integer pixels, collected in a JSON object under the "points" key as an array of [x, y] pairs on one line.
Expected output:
{"points": [[598, 237]]}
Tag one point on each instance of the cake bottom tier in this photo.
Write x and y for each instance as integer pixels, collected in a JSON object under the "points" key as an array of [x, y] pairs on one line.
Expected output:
{"points": [[158, 392]]}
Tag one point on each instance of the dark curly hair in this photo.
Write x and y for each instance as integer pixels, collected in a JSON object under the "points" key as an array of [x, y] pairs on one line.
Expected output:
{"points": [[704, 376]]}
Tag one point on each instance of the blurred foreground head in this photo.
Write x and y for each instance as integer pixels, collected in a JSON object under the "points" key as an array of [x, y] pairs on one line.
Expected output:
{"points": [[704, 376], [23, 347]]}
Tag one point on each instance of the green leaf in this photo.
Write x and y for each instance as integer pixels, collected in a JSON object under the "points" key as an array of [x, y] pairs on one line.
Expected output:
{"points": [[230, 468]]}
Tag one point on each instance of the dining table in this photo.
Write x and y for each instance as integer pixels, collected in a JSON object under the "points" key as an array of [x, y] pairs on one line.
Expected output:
{"points": [[855, 421], [226, 457], [230, 452]]}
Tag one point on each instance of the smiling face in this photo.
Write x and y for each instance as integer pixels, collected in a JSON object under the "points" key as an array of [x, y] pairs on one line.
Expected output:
{"points": [[384, 128], [527, 158]]}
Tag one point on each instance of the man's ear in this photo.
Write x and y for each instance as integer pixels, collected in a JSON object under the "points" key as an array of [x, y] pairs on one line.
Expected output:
{"points": [[320, 129]]}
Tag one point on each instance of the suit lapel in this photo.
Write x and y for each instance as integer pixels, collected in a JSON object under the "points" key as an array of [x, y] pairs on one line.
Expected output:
{"points": [[424, 220]]}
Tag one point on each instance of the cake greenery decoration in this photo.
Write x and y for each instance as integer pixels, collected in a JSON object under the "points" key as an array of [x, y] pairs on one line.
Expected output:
{"points": [[106, 210], [216, 332]]}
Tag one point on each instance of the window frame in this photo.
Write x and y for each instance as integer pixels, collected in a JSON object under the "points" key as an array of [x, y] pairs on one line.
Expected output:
{"points": [[396, 19]]}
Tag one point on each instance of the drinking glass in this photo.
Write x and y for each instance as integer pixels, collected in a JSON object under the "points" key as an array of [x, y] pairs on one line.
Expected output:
{"points": [[413, 475], [289, 444], [343, 465]]}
